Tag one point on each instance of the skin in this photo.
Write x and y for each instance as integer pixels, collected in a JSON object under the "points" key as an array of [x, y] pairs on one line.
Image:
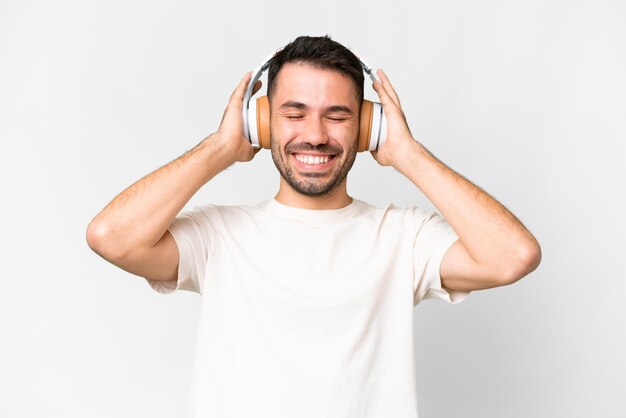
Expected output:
{"points": [[494, 248], [313, 111]]}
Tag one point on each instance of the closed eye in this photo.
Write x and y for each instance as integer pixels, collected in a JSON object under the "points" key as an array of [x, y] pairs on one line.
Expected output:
{"points": [[296, 117]]}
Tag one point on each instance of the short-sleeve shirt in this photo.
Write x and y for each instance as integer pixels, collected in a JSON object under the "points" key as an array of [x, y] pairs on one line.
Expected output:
{"points": [[308, 313]]}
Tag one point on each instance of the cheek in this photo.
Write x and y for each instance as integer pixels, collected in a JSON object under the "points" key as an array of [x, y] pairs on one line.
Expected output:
{"points": [[343, 134], [283, 131], [333, 130], [341, 130]]}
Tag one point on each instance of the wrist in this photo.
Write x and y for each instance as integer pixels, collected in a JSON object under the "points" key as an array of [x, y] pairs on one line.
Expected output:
{"points": [[216, 152], [411, 155]]}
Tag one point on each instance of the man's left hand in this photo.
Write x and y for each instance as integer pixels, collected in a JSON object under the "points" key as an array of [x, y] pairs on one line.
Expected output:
{"points": [[399, 139]]}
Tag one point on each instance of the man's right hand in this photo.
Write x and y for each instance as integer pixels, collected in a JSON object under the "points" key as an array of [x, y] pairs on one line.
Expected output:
{"points": [[230, 132], [131, 232]]}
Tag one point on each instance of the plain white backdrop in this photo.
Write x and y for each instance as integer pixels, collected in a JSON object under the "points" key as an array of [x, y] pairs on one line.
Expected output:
{"points": [[524, 98]]}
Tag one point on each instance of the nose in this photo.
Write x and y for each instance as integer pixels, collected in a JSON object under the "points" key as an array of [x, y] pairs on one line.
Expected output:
{"points": [[315, 131]]}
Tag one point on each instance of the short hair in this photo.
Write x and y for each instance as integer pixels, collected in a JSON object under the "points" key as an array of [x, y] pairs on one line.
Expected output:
{"points": [[319, 52]]}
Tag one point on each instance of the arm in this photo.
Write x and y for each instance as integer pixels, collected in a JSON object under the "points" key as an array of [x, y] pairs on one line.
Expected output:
{"points": [[131, 231], [494, 248]]}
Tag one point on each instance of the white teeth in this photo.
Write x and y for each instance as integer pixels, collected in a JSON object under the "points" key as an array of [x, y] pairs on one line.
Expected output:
{"points": [[312, 160]]}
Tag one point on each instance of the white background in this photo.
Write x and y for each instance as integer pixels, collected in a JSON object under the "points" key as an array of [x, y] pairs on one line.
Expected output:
{"points": [[526, 99]]}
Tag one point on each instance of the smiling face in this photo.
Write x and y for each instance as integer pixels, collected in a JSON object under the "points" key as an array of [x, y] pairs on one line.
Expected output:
{"points": [[314, 125]]}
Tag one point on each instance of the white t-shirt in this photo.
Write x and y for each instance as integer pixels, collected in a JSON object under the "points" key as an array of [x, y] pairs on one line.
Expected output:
{"points": [[307, 313]]}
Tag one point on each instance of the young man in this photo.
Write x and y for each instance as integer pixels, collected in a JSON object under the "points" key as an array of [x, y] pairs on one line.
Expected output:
{"points": [[307, 297]]}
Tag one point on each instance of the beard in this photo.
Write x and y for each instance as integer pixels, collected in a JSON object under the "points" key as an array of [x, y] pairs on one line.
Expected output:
{"points": [[312, 183]]}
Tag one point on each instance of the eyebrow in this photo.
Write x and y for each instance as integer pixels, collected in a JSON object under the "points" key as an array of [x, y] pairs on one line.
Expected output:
{"points": [[301, 106]]}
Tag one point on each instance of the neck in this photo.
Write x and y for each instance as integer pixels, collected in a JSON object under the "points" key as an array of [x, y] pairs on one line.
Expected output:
{"points": [[336, 199]]}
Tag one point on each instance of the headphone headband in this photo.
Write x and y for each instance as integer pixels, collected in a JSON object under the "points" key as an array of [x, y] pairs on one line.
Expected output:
{"points": [[379, 121], [256, 75], [258, 72]]}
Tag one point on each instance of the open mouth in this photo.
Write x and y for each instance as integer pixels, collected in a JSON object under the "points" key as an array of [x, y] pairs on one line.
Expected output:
{"points": [[310, 162]]}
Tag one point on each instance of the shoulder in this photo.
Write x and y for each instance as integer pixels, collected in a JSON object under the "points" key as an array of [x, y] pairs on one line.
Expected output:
{"points": [[213, 215], [392, 213]]}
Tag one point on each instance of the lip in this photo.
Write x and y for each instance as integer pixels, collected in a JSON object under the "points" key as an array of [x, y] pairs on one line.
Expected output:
{"points": [[313, 167]]}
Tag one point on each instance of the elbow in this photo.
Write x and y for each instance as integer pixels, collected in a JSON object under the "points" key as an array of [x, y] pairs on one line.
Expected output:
{"points": [[526, 261], [531, 256], [98, 239], [94, 236]]}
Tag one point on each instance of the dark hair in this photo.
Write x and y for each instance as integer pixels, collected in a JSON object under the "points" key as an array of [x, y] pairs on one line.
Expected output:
{"points": [[320, 52]]}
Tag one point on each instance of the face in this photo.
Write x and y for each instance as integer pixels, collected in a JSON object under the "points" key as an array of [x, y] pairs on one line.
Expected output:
{"points": [[314, 126]]}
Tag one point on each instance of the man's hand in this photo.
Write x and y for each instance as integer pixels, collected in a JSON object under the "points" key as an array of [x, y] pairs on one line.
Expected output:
{"points": [[494, 248], [230, 132], [399, 137]]}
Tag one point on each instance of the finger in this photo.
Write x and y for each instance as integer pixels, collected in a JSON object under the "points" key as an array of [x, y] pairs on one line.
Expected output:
{"points": [[388, 87], [389, 105], [240, 91], [385, 99], [236, 98]]}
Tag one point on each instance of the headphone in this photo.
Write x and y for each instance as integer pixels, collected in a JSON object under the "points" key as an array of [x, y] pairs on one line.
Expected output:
{"points": [[256, 115]]}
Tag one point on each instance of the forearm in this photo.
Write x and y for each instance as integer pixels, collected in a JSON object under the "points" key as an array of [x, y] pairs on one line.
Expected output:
{"points": [[140, 215], [492, 235]]}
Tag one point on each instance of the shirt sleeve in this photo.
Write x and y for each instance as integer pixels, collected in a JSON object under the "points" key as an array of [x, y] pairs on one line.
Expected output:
{"points": [[194, 234], [433, 237]]}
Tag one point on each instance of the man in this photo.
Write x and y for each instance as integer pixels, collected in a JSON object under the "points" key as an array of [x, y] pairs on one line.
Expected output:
{"points": [[307, 298]]}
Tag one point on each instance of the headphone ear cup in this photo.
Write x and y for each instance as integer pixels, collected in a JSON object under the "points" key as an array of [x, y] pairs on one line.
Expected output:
{"points": [[263, 121], [365, 126], [371, 118], [372, 127], [378, 120]]}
